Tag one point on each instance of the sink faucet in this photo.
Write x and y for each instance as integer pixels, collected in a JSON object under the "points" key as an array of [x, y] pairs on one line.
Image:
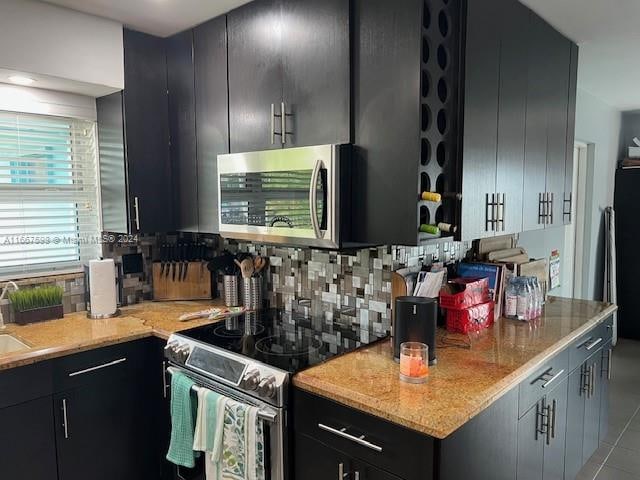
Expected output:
{"points": [[2, 295]]}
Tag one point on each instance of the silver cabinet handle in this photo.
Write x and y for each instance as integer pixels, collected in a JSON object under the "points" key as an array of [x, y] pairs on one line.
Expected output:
{"points": [[593, 380], [548, 414], [610, 364], [136, 208], [164, 379], [551, 198], [552, 379], [592, 345], [501, 209], [356, 475], [98, 367], [273, 124], [65, 422], [341, 471], [342, 433], [313, 199], [554, 405], [283, 122]]}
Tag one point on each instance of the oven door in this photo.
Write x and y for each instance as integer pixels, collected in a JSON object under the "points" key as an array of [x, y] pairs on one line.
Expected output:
{"points": [[276, 454], [288, 196]]}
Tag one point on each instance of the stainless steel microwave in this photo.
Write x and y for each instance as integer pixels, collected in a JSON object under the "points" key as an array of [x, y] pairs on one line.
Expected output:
{"points": [[296, 196]]}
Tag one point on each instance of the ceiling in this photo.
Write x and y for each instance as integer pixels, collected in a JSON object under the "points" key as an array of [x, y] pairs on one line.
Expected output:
{"points": [[157, 17], [609, 38]]}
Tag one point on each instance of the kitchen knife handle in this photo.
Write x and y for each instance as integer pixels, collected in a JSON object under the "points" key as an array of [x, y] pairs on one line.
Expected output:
{"points": [[136, 209]]}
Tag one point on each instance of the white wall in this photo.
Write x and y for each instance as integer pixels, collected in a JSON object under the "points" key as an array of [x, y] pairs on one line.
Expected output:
{"points": [[598, 125], [44, 39], [14, 98]]}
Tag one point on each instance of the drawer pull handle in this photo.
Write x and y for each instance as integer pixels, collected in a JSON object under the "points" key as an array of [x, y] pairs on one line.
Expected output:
{"points": [[65, 420], [342, 433], [552, 379], [593, 344], [98, 367]]}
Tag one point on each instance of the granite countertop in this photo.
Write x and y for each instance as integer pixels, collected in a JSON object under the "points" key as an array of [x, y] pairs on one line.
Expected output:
{"points": [[76, 333], [472, 371]]}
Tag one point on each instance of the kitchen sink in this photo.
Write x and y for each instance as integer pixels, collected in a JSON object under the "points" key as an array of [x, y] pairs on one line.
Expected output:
{"points": [[10, 344]]}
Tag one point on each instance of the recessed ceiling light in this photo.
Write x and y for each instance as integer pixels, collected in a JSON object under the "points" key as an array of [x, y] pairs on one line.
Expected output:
{"points": [[21, 80]]}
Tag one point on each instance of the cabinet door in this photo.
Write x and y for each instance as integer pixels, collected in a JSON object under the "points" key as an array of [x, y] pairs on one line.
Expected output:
{"points": [[512, 107], [531, 444], [482, 73], [605, 378], [316, 461], [575, 423], [212, 115], [27, 443], [113, 177], [364, 471], [535, 156], [556, 403], [592, 407], [571, 130], [182, 130], [255, 75], [316, 73], [558, 69], [102, 430], [147, 133]]}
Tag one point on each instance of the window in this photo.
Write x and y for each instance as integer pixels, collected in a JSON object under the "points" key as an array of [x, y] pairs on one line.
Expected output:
{"points": [[49, 215]]}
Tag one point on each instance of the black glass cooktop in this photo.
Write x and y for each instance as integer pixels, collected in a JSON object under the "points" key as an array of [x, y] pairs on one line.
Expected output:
{"points": [[285, 340]]}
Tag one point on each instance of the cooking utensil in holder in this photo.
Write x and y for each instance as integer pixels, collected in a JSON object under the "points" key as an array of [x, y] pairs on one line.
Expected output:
{"points": [[231, 293], [252, 293]]}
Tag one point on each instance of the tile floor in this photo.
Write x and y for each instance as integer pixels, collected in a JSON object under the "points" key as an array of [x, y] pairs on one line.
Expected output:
{"points": [[618, 457]]}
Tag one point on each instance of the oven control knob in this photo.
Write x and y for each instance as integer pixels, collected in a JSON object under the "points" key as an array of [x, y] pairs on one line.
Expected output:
{"points": [[169, 350], [251, 380], [182, 353], [267, 387]]}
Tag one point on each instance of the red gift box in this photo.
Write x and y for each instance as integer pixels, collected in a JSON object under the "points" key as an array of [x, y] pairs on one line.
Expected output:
{"points": [[464, 292], [471, 319]]}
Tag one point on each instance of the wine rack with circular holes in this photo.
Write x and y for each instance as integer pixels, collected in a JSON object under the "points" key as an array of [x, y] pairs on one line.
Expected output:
{"points": [[439, 91]]}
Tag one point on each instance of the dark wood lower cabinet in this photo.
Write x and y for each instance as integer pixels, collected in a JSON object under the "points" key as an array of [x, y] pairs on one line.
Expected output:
{"points": [[317, 461], [102, 432], [27, 444]]}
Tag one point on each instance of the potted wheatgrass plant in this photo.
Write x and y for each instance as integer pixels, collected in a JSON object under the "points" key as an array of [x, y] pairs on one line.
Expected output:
{"points": [[37, 304]]}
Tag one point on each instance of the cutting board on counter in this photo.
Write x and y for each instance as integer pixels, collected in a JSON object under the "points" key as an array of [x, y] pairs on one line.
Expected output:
{"points": [[194, 284]]}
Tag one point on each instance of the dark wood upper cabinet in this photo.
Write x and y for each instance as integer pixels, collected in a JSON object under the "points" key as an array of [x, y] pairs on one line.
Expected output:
{"points": [[182, 130], [292, 55], [133, 136], [558, 68], [567, 200], [146, 130], [255, 75], [480, 117], [512, 107], [212, 115], [316, 73]]}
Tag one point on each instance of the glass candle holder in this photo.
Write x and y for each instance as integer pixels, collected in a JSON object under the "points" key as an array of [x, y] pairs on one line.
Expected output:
{"points": [[414, 362]]}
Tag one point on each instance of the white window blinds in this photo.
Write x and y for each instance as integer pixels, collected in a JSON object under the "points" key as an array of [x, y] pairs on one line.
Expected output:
{"points": [[49, 210]]}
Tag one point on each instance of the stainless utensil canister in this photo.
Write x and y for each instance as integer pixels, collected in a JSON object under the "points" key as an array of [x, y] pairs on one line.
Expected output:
{"points": [[231, 295], [252, 293]]}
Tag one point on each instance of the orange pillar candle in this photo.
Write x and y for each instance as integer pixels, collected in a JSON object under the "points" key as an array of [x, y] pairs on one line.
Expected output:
{"points": [[414, 362]]}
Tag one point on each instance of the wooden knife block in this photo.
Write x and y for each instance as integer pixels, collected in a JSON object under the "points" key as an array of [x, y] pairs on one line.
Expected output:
{"points": [[196, 285]]}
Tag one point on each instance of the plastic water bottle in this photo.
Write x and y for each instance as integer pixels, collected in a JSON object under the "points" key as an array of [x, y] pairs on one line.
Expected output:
{"points": [[511, 299], [523, 307]]}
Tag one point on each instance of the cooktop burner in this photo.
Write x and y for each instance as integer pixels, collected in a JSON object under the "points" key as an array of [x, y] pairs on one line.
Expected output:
{"points": [[285, 340]]}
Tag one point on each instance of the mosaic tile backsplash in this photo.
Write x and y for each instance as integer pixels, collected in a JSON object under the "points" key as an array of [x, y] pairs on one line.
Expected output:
{"points": [[353, 287]]}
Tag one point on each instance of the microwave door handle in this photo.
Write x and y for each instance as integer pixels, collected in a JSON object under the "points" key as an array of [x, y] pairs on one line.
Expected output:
{"points": [[313, 198]]}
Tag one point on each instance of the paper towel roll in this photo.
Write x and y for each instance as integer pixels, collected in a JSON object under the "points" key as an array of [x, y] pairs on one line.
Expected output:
{"points": [[102, 287]]}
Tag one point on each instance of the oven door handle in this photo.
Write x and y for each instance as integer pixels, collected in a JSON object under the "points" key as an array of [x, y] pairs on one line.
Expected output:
{"points": [[313, 199], [265, 415]]}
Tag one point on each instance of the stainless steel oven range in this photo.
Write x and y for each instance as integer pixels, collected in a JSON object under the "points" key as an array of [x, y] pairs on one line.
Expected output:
{"points": [[252, 357]]}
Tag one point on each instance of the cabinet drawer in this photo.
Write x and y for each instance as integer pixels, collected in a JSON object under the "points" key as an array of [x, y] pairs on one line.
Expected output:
{"points": [[585, 346], [380, 443], [100, 365], [542, 381], [18, 385]]}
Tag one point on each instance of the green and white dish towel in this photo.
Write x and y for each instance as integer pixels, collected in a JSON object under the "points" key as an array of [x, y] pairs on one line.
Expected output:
{"points": [[231, 435], [182, 422]]}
